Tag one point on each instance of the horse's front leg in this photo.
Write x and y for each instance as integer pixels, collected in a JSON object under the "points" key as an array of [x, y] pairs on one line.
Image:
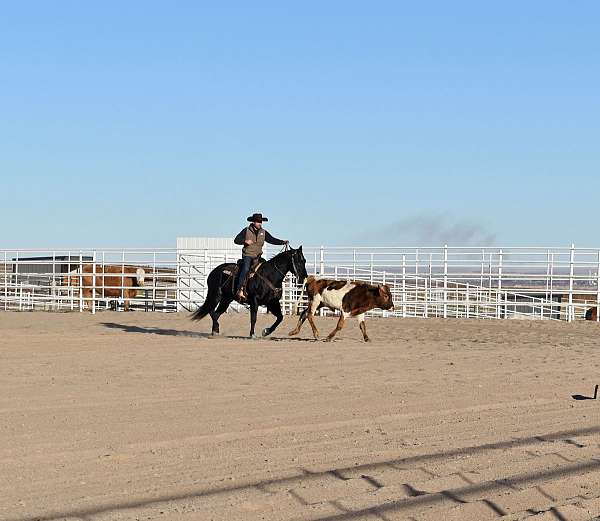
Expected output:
{"points": [[253, 314], [275, 308]]}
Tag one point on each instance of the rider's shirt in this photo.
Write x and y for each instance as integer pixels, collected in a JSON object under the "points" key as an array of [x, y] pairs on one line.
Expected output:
{"points": [[258, 238]]}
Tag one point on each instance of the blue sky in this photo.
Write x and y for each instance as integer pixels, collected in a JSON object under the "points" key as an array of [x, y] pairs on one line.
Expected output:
{"points": [[131, 123]]}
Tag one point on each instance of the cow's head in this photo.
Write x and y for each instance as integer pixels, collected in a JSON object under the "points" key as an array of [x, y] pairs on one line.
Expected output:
{"points": [[139, 276], [384, 297]]}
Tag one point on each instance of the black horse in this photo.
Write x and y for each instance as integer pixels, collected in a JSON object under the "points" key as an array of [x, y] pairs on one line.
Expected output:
{"points": [[263, 289]]}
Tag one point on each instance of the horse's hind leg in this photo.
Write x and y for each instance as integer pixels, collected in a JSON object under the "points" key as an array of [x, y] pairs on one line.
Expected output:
{"points": [[275, 308], [221, 308], [253, 314]]}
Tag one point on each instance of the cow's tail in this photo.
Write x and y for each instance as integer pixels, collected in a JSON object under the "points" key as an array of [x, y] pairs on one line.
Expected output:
{"points": [[212, 299], [139, 276]]}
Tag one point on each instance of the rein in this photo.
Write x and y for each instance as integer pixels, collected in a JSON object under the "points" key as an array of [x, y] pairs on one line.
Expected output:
{"points": [[285, 248]]}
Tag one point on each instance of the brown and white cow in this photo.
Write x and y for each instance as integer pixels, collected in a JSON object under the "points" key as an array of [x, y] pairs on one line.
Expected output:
{"points": [[351, 298]]}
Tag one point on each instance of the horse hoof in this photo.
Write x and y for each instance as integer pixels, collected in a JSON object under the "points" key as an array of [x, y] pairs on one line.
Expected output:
{"points": [[292, 333], [266, 331], [214, 334], [253, 337]]}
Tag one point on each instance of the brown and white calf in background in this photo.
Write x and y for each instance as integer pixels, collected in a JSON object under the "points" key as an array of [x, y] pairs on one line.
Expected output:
{"points": [[351, 298]]}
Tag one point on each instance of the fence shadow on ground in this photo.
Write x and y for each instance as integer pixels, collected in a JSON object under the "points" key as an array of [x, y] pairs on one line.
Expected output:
{"points": [[415, 499]]}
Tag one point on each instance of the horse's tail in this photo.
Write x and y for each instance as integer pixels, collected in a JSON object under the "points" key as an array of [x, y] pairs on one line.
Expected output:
{"points": [[212, 299]]}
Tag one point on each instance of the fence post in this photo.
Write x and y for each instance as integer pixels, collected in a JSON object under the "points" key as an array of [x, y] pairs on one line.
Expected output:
{"points": [[71, 288], [552, 283], [154, 284], [499, 280], [404, 286], [5, 281], [55, 294], [103, 280], [547, 275], [321, 261], [416, 263], [321, 270], [80, 282], [467, 301], [205, 271], [93, 303], [598, 290], [445, 281], [178, 281], [426, 300], [571, 311], [122, 291]]}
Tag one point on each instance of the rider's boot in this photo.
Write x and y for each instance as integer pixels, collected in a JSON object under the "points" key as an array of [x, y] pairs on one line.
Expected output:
{"points": [[241, 295]]}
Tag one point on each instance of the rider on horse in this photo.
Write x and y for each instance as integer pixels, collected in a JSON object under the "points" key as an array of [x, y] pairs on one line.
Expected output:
{"points": [[253, 239]]}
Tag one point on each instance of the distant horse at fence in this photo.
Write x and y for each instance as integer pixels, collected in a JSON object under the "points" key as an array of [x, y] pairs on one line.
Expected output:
{"points": [[592, 314], [124, 282]]}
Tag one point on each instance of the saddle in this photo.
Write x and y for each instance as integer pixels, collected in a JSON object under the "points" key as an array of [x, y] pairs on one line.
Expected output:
{"points": [[256, 263]]}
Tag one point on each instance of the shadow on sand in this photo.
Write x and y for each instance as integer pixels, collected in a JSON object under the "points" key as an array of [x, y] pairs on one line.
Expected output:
{"points": [[193, 334], [154, 330]]}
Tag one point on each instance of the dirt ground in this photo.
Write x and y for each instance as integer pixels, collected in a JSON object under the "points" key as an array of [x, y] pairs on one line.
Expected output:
{"points": [[140, 416]]}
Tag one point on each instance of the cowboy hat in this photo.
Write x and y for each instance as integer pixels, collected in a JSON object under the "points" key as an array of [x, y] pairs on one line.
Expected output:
{"points": [[257, 218]]}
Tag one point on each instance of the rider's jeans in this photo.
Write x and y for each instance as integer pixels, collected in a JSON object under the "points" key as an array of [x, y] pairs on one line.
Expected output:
{"points": [[247, 262]]}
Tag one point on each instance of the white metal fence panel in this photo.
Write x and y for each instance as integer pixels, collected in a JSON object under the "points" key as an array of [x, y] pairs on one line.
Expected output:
{"points": [[495, 283]]}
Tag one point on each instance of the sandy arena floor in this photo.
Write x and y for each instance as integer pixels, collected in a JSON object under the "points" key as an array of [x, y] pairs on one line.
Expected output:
{"points": [[139, 416]]}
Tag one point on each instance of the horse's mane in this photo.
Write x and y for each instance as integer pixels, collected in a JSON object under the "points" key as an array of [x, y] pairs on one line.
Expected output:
{"points": [[280, 255]]}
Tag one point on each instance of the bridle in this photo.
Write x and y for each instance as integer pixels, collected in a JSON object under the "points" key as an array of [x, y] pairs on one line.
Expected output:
{"points": [[294, 267]]}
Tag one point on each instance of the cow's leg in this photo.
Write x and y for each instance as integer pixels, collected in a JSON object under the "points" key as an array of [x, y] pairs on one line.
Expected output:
{"points": [[275, 308], [221, 308], [314, 305], [338, 327], [253, 314], [301, 320], [363, 326]]}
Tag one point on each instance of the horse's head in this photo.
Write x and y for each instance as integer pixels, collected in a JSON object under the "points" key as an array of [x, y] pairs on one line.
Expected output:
{"points": [[298, 264]]}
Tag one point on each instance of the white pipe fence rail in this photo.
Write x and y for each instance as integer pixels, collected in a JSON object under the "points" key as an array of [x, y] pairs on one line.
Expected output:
{"points": [[494, 283]]}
